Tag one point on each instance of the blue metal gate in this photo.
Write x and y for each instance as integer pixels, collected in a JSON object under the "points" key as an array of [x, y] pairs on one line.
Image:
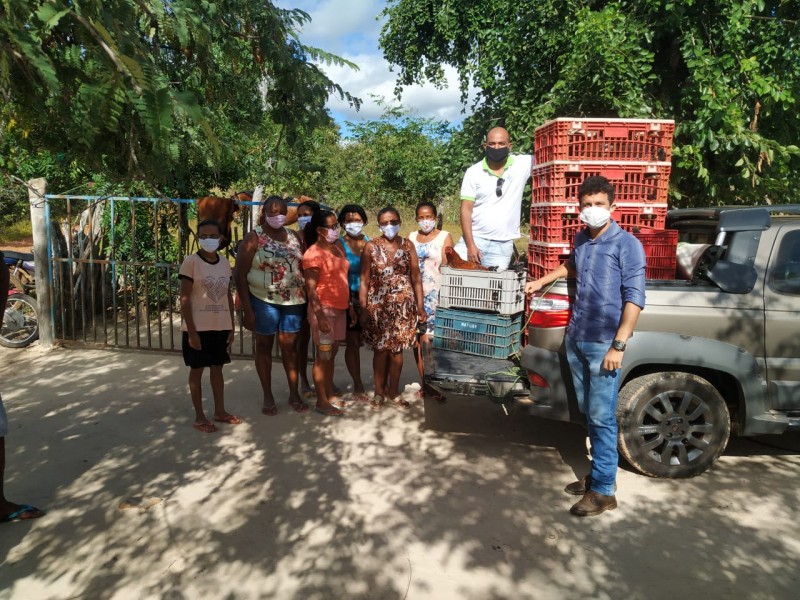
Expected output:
{"points": [[113, 268]]}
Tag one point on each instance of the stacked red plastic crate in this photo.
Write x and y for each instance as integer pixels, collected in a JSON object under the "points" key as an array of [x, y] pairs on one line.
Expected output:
{"points": [[634, 154]]}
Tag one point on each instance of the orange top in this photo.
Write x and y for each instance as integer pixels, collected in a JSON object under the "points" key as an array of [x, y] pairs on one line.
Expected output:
{"points": [[332, 287]]}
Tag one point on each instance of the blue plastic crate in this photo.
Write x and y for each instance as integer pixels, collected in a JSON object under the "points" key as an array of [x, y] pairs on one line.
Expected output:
{"points": [[481, 334]]}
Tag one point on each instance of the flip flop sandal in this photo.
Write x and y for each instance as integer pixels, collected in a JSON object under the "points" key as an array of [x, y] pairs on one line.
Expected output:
{"points": [[17, 514], [377, 402], [329, 412], [270, 411], [400, 403], [299, 406], [204, 427], [340, 404], [230, 420]]}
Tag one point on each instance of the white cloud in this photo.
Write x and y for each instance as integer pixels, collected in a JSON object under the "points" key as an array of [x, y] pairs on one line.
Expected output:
{"points": [[349, 28]]}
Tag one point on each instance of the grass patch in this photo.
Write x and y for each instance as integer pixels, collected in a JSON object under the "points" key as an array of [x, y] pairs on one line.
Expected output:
{"points": [[16, 232]]}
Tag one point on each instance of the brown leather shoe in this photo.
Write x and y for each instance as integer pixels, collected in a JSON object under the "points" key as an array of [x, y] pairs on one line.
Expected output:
{"points": [[593, 504], [578, 488]]}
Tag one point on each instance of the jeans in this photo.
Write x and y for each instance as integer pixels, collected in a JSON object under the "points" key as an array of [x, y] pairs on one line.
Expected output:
{"points": [[596, 390], [496, 253]]}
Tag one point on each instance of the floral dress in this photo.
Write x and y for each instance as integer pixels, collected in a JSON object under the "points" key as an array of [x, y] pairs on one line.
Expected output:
{"points": [[391, 305], [276, 275], [430, 261]]}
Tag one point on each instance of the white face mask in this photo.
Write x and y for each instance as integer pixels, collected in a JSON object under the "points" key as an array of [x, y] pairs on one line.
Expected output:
{"points": [[332, 234], [303, 221], [209, 244], [595, 216], [390, 231], [354, 228], [277, 221], [426, 225]]}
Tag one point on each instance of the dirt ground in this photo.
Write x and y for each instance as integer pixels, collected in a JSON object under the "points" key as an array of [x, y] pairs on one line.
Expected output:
{"points": [[448, 501]]}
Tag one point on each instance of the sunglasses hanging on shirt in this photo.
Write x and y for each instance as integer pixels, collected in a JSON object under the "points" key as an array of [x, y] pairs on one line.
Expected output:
{"points": [[499, 189]]}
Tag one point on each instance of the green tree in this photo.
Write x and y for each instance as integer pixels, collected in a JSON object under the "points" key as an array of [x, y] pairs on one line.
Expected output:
{"points": [[727, 72], [397, 159], [156, 90]]}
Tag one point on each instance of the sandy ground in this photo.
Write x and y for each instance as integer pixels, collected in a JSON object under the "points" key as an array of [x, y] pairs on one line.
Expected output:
{"points": [[448, 501]]}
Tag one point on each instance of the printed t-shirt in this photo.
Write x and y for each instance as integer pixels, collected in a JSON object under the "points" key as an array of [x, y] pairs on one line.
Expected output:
{"points": [[209, 298], [276, 274]]}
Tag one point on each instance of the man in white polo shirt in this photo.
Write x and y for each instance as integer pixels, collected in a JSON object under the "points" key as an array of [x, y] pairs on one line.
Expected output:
{"points": [[491, 202]]}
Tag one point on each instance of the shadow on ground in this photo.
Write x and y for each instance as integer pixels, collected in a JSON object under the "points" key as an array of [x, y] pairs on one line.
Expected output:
{"points": [[456, 501]]}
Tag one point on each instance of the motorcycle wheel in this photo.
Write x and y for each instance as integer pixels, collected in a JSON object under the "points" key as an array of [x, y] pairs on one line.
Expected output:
{"points": [[20, 322]]}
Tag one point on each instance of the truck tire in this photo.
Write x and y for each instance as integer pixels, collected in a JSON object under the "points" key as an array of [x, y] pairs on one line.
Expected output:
{"points": [[672, 425]]}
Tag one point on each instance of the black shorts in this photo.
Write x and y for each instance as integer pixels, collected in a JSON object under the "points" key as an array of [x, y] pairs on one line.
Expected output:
{"points": [[213, 350]]}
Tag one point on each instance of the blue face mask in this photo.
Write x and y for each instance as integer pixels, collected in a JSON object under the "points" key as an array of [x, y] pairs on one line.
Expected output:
{"points": [[390, 231], [303, 221]]}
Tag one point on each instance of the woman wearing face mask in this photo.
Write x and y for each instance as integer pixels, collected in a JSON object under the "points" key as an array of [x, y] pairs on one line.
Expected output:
{"points": [[352, 219], [305, 210], [269, 266], [429, 243], [390, 296], [325, 268]]}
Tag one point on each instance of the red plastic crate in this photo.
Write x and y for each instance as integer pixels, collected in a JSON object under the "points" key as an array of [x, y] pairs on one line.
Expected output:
{"points": [[604, 139], [544, 257], [558, 181], [660, 250], [557, 223]]}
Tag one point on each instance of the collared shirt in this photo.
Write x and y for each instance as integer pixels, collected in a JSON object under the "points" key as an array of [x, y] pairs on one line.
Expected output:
{"points": [[497, 217], [610, 271]]}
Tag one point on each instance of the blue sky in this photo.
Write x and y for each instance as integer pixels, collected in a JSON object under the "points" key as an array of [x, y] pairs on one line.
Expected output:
{"points": [[350, 28]]}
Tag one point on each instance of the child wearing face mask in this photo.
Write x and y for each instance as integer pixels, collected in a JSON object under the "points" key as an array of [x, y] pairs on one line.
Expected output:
{"points": [[430, 243], [207, 310]]}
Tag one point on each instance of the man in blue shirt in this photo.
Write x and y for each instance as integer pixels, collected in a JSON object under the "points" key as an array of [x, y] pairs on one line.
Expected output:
{"points": [[608, 265]]}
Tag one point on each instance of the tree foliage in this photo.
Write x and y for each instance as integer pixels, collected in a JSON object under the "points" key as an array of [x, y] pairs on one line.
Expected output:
{"points": [[398, 159], [726, 71], [159, 90]]}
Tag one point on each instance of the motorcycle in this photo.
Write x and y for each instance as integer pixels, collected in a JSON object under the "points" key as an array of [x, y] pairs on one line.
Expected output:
{"points": [[20, 325]]}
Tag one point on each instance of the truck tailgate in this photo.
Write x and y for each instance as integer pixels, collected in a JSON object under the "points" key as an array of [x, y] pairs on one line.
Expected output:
{"points": [[455, 373]]}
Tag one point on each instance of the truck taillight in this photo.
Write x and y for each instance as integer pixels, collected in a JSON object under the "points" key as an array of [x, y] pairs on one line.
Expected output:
{"points": [[550, 310], [537, 380]]}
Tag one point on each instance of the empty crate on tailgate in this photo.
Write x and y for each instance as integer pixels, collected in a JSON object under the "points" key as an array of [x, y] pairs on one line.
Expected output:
{"points": [[501, 292], [490, 335], [643, 140]]}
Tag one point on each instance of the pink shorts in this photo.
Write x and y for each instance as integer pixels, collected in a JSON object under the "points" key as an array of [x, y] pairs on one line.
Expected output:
{"points": [[337, 317]]}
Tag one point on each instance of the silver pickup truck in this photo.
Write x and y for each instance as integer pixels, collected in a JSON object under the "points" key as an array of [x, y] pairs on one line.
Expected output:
{"points": [[715, 352]]}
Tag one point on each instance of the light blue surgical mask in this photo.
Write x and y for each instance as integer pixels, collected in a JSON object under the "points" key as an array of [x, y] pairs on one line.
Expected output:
{"points": [[354, 228], [303, 221], [390, 231]]}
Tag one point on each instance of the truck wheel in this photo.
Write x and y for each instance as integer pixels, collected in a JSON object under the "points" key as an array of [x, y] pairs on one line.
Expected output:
{"points": [[672, 425]]}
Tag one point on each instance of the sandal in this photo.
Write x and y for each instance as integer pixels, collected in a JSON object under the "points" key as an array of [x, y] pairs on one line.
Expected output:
{"points": [[400, 403], [329, 412], [205, 427], [339, 403], [377, 402], [298, 405], [270, 410]]}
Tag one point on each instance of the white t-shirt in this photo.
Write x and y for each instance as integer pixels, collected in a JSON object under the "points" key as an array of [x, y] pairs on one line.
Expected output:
{"points": [[493, 217]]}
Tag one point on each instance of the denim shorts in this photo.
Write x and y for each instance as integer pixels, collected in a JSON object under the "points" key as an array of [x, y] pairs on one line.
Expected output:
{"points": [[271, 318], [3, 420], [496, 253]]}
